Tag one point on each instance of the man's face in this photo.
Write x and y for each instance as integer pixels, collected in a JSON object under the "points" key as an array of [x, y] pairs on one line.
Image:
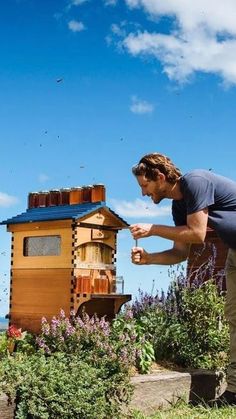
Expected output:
{"points": [[156, 189]]}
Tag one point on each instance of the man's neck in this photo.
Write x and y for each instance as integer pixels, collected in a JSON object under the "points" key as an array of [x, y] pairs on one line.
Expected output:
{"points": [[175, 191]]}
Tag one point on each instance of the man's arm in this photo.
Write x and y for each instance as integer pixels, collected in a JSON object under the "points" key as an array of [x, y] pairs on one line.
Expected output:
{"points": [[193, 232], [177, 254]]}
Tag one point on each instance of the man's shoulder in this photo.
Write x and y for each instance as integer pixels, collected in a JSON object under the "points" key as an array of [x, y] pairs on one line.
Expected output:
{"points": [[196, 177], [197, 173], [207, 177]]}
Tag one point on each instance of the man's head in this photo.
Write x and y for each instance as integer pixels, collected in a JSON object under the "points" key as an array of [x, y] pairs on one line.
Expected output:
{"points": [[156, 175]]}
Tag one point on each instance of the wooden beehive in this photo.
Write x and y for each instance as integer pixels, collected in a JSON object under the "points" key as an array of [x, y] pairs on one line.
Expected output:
{"points": [[63, 256], [213, 250]]}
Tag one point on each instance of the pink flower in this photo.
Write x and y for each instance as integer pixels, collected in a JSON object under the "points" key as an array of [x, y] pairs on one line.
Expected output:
{"points": [[13, 332]]}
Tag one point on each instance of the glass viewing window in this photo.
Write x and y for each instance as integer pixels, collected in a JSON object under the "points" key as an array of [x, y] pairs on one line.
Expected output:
{"points": [[42, 246]]}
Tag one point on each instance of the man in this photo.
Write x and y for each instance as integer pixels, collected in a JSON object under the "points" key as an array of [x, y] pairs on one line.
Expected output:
{"points": [[200, 199]]}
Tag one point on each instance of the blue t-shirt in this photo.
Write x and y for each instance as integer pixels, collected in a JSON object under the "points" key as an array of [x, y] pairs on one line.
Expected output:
{"points": [[204, 189]]}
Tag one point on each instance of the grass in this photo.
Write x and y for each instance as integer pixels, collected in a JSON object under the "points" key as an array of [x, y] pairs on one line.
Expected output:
{"points": [[184, 411]]}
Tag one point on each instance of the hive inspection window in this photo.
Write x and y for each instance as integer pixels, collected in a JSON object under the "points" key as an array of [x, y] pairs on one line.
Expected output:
{"points": [[42, 246]]}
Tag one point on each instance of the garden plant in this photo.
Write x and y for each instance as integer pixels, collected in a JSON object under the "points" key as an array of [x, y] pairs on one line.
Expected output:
{"points": [[80, 366]]}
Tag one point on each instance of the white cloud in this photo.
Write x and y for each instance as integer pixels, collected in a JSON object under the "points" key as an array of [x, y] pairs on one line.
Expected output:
{"points": [[43, 178], [118, 30], [77, 2], [76, 26], [7, 200], [203, 37], [139, 208], [217, 15], [110, 2], [140, 106]]}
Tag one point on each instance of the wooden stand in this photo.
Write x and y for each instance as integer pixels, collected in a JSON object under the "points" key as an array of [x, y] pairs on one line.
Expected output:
{"points": [[102, 304]]}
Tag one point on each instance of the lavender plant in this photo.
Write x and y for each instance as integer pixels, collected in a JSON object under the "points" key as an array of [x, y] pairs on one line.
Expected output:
{"points": [[194, 332], [138, 346], [81, 368], [187, 325], [93, 339]]}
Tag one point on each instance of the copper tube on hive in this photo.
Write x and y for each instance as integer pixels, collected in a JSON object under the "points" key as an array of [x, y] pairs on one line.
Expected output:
{"points": [[64, 196], [96, 285], [33, 200], [75, 196], [101, 285], [98, 193], [86, 193], [83, 284], [43, 198], [54, 197]]}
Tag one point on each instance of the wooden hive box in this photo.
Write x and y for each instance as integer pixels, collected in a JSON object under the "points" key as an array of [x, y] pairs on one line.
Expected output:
{"points": [[200, 254], [63, 257]]}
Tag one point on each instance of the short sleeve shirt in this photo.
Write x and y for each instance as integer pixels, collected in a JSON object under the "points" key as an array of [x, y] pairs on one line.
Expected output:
{"points": [[203, 189]]}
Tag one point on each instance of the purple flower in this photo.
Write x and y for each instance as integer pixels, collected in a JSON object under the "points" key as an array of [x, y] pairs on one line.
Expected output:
{"points": [[46, 328], [43, 320], [62, 314]]}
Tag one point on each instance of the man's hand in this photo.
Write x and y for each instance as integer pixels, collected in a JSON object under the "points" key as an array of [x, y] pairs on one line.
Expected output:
{"points": [[140, 231], [139, 256]]}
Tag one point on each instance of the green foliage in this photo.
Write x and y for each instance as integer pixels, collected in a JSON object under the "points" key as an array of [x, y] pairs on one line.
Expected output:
{"points": [[138, 346], [76, 370], [62, 386], [146, 353], [186, 325], [122, 344], [79, 367], [3, 345], [193, 331], [26, 345], [182, 410], [94, 340]]}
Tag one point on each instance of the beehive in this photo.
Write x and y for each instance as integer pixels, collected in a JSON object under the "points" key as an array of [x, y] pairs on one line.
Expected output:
{"points": [[63, 256], [200, 254]]}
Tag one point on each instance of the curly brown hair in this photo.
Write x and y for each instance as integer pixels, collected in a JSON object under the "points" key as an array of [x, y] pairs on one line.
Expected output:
{"points": [[152, 164]]}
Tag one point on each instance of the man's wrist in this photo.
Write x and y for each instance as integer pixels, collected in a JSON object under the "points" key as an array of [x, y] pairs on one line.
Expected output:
{"points": [[153, 230], [148, 257]]}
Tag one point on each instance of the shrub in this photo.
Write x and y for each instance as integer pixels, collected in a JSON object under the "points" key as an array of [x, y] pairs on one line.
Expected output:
{"points": [[77, 371], [193, 331], [122, 344], [132, 339], [3, 345], [62, 386], [187, 325], [92, 339]]}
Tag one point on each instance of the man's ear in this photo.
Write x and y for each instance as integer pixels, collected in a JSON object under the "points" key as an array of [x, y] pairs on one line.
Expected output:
{"points": [[161, 176]]}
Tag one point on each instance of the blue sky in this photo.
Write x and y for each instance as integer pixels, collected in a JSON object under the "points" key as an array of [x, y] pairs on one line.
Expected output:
{"points": [[136, 76]]}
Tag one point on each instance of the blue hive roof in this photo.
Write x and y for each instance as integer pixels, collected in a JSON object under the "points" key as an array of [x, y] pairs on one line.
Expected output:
{"points": [[60, 212]]}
